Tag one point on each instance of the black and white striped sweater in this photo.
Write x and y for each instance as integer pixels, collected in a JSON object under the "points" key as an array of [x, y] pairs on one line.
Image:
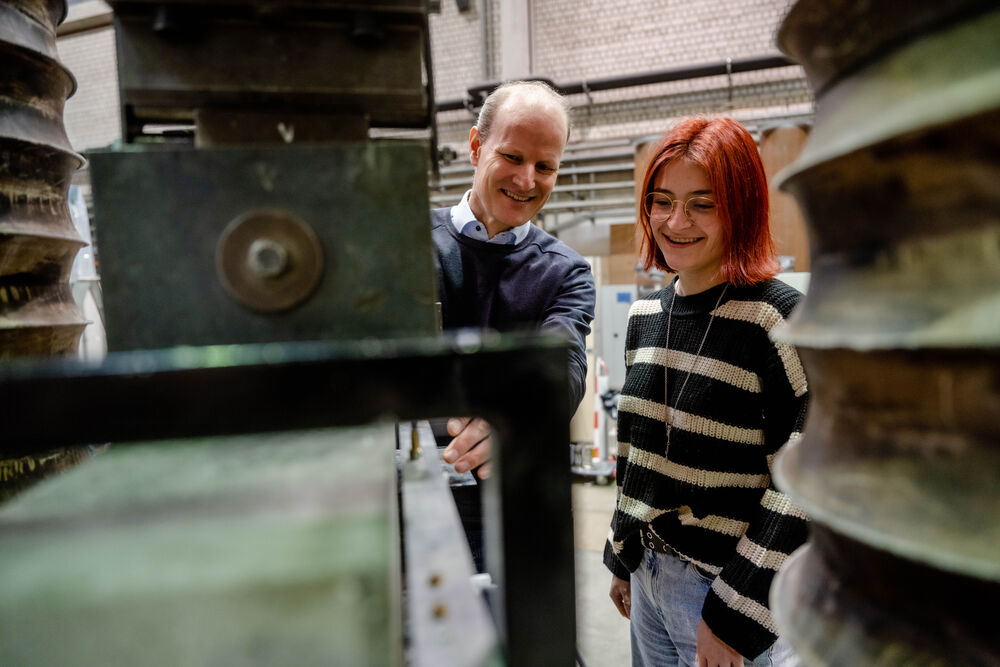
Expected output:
{"points": [[711, 498]]}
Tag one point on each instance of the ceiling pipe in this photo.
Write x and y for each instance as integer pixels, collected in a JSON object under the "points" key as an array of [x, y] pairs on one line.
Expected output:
{"points": [[477, 94]]}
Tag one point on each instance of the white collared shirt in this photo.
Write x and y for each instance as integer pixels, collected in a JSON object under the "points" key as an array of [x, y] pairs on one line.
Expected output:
{"points": [[466, 224]]}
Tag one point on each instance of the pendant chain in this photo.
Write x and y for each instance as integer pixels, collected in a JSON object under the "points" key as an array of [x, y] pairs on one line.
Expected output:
{"points": [[666, 363]]}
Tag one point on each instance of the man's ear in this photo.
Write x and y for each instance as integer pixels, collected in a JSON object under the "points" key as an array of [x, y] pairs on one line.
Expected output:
{"points": [[474, 145]]}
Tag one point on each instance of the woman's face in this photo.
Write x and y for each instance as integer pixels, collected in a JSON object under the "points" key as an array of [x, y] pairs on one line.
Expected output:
{"points": [[685, 222]]}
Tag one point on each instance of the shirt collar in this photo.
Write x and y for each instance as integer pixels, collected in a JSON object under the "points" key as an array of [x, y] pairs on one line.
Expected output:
{"points": [[467, 225]]}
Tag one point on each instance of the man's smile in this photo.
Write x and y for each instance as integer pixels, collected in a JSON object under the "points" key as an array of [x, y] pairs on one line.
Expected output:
{"points": [[520, 198]]}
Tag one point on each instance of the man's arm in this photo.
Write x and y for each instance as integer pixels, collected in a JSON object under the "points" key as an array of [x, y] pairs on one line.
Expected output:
{"points": [[570, 314]]}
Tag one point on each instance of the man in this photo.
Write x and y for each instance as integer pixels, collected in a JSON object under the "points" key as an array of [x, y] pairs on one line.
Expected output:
{"points": [[498, 271]]}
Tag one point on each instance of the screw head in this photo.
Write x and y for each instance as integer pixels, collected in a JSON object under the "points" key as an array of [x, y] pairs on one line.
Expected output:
{"points": [[267, 258]]}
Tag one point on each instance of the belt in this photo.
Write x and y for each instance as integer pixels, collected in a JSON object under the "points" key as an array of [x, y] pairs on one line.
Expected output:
{"points": [[651, 541]]}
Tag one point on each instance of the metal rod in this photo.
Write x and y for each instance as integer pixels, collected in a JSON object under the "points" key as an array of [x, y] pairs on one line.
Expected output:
{"points": [[718, 68]]}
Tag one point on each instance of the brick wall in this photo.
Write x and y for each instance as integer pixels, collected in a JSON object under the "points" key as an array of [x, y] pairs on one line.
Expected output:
{"points": [[579, 40], [457, 40], [572, 41], [91, 115], [595, 38]]}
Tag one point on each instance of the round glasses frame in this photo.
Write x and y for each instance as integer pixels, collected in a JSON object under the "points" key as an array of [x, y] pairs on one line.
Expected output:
{"points": [[660, 207]]}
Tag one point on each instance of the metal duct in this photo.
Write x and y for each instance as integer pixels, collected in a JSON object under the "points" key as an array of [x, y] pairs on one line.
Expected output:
{"points": [[899, 466]]}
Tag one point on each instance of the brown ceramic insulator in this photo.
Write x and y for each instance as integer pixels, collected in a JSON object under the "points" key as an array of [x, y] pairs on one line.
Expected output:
{"points": [[899, 464], [37, 239], [38, 242]]}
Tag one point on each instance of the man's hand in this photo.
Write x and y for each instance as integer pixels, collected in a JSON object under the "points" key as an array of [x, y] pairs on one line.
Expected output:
{"points": [[471, 445], [712, 651], [621, 595]]}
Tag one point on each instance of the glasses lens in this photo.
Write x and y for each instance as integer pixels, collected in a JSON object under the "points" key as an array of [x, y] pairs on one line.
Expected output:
{"points": [[696, 207], [659, 205]]}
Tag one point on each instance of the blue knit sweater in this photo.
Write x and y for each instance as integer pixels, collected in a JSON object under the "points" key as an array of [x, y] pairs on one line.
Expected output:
{"points": [[539, 284]]}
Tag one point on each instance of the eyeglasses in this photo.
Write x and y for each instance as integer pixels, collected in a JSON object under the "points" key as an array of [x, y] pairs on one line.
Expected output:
{"points": [[660, 206]]}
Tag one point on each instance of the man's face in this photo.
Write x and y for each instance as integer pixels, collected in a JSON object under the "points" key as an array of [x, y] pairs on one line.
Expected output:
{"points": [[516, 164]]}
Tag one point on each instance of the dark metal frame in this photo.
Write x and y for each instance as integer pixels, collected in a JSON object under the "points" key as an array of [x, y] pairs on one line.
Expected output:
{"points": [[447, 620], [519, 383]]}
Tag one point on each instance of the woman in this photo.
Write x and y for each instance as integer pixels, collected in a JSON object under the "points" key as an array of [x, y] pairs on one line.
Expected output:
{"points": [[699, 529]]}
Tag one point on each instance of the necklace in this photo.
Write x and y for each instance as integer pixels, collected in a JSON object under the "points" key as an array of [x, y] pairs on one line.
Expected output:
{"points": [[666, 363]]}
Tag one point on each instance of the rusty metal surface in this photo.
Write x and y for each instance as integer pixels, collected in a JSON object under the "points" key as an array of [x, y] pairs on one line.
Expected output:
{"points": [[37, 239], [23, 472], [898, 180], [187, 391], [271, 549], [30, 25], [899, 464], [38, 242], [900, 452], [832, 39], [269, 8], [889, 625], [161, 214], [47, 12], [344, 58], [912, 92], [244, 126], [38, 320], [269, 260]]}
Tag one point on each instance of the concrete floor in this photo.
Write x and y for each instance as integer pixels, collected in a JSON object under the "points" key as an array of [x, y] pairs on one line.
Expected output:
{"points": [[601, 632]]}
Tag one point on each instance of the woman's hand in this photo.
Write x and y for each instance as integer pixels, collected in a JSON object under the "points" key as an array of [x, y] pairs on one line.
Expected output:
{"points": [[621, 595], [712, 651]]}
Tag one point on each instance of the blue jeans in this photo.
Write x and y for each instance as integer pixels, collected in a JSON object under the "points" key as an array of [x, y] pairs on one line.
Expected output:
{"points": [[667, 597]]}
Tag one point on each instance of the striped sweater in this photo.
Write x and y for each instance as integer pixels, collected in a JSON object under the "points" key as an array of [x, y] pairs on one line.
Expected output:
{"points": [[711, 498]]}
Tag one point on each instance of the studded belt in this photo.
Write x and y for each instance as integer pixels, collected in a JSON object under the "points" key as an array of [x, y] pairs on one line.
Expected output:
{"points": [[652, 542]]}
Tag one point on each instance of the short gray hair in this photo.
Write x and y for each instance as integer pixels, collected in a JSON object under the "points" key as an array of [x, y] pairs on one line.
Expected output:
{"points": [[534, 90]]}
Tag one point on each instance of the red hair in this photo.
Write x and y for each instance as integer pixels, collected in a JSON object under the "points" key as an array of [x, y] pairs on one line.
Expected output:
{"points": [[727, 152]]}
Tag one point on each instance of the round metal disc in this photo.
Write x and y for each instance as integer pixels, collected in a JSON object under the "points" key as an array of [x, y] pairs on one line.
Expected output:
{"points": [[269, 260]]}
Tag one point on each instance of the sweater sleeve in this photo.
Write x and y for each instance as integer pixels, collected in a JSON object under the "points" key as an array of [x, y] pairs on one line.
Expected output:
{"points": [[570, 314], [736, 608], [621, 556]]}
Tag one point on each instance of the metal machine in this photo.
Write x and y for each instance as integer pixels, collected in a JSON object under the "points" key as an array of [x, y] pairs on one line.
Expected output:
{"points": [[269, 295]]}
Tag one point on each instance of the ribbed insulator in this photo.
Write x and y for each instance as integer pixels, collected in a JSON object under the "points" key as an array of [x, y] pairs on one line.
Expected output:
{"points": [[899, 464], [37, 239]]}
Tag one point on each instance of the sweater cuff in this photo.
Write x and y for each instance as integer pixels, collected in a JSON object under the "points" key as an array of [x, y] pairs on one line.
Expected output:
{"points": [[745, 635], [613, 563]]}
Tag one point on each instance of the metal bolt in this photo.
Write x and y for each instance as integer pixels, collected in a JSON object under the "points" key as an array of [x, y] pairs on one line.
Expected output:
{"points": [[267, 258]]}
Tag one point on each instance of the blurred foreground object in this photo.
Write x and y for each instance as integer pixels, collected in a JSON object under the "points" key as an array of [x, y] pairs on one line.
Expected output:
{"points": [[269, 292], [899, 465], [38, 242]]}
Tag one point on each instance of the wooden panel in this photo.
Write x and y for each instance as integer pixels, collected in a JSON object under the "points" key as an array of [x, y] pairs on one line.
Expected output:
{"points": [[620, 269], [778, 148], [643, 154], [624, 239]]}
